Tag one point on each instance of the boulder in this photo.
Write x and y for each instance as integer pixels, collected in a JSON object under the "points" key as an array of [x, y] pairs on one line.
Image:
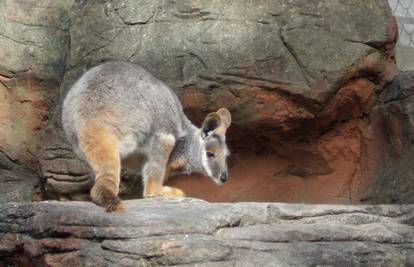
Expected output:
{"points": [[391, 143], [299, 79], [33, 48], [188, 232], [266, 56], [18, 186], [33, 37], [23, 113], [304, 83]]}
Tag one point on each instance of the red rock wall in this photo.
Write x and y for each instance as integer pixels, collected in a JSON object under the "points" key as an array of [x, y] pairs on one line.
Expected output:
{"points": [[23, 113], [306, 84], [325, 170]]}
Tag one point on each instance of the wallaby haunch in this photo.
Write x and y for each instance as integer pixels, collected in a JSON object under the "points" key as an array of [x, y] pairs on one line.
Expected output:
{"points": [[118, 110]]}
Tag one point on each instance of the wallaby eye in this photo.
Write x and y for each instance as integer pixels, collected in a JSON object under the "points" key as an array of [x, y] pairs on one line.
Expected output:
{"points": [[210, 155]]}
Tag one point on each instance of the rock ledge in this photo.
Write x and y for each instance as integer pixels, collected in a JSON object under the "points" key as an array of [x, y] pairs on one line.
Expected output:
{"points": [[190, 232]]}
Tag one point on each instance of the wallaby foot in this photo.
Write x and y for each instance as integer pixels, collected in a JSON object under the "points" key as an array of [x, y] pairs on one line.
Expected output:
{"points": [[104, 197], [164, 191], [168, 191]]}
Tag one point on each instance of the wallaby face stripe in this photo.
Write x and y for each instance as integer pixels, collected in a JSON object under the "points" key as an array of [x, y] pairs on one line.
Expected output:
{"points": [[118, 110], [206, 166], [216, 136]]}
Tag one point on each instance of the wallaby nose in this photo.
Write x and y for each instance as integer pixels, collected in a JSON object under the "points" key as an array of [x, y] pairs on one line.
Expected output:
{"points": [[223, 177]]}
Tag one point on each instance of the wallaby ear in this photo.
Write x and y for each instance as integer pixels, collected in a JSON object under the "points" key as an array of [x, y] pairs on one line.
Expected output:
{"points": [[225, 117], [210, 124]]}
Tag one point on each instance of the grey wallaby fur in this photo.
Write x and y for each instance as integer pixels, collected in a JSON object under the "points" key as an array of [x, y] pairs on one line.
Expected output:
{"points": [[118, 109]]}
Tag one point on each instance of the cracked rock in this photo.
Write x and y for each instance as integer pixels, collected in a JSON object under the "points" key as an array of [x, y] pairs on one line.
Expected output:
{"points": [[190, 232]]}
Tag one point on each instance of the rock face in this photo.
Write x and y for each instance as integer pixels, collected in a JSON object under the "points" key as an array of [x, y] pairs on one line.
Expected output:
{"points": [[23, 112], [300, 81], [33, 37], [392, 143], [33, 47], [187, 232], [304, 83], [17, 186], [261, 58], [317, 117]]}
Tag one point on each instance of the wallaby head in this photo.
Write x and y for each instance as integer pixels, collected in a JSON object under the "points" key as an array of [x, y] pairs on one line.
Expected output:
{"points": [[213, 143]]}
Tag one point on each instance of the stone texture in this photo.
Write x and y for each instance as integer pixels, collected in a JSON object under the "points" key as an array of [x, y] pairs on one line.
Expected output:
{"points": [[17, 186], [190, 232], [33, 48], [23, 113], [392, 143], [299, 78], [303, 81], [214, 45], [33, 36], [325, 170]]}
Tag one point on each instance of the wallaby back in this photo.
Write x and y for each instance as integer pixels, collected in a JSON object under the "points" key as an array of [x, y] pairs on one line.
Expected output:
{"points": [[127, 100], [118, 110]]}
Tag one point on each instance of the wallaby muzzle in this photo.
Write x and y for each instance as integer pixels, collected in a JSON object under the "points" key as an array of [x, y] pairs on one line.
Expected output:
{"points": [[221, 178], [224, 177]]}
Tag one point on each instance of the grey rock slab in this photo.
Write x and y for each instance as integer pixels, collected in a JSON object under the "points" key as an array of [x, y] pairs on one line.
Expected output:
{"points": [[393, 180], [190, 232], [257, 58], [16, 185], [33, 36], [281, 42]]}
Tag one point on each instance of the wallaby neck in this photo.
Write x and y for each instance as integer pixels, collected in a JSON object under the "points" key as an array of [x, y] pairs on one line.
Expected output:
{"points": [[187, 153]]}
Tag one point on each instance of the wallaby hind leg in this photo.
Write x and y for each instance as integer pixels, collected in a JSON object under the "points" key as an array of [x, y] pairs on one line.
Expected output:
{"points": [[100, 147], [155, 169]]}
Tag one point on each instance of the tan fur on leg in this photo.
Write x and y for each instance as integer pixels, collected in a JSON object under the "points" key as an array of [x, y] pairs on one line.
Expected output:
{"points": [[154, 188], [168, 191], [100, 147]]}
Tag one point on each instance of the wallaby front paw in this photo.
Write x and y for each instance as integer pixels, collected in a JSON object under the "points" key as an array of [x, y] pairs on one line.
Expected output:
{"points": [[168, 191]]}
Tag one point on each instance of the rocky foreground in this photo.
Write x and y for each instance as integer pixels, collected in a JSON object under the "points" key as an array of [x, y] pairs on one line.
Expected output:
{"points": [[191, 232]]}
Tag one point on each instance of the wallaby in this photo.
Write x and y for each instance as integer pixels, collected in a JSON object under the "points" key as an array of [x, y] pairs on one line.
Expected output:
{"points": [[118, 109]]}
